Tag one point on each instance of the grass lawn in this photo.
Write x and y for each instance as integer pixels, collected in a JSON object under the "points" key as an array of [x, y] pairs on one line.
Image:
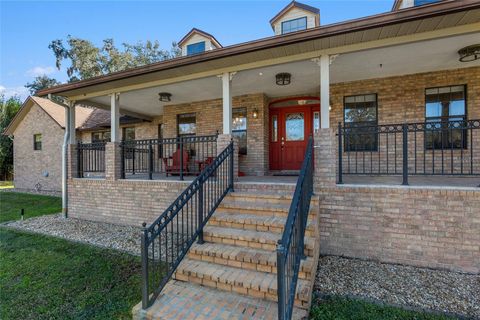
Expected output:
{"points": [[48, 278], [35, 205], [339, 308]]}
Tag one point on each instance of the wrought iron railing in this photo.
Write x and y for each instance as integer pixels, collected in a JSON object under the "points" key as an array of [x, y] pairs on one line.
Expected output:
{"points": [[290, 248], [90, 159], [151, 158], [167, 240], [425, 148]]}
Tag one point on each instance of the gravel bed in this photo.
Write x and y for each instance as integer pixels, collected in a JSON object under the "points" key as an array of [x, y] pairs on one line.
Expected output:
{"points": [[418, 288]]}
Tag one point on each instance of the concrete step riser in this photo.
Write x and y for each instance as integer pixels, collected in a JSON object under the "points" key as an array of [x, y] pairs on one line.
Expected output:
{"points": [[257, 244], [306, 275], [259, 211], [310, 232], [258, 292]]}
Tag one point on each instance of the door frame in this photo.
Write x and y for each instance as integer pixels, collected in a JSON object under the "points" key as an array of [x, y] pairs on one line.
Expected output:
{"points": [[314, 107]]}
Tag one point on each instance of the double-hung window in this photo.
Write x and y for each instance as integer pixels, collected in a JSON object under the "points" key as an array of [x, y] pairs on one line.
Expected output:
{"points": [[101, 136], [129, 134], [360, 118], [37, 141], [186, 124], [294, 25], [239, 128], [445, 117]]}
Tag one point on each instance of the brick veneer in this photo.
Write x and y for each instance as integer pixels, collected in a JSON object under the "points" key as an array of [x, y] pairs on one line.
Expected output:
{"points": [[428, 227], [128, 202], [113, 161]]}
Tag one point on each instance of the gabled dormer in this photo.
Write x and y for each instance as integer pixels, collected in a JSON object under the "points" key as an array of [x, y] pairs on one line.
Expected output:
{"points": [[402, 4], [295, 16], [197, 41]]}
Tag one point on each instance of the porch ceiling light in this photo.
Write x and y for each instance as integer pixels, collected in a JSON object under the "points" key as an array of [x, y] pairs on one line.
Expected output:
{"points": [[283, 79], [165, 96], [470, 53]]}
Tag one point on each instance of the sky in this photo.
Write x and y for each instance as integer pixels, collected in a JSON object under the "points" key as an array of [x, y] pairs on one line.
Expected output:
{"points": [[27, 27]]}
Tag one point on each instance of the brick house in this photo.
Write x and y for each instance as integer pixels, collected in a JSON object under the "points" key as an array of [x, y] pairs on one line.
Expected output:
{"points": [[392, 102]]}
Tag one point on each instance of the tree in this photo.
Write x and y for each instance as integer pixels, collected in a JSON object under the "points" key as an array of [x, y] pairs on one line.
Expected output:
{"points": [[40, 83], [8, 109], [87, 60]]}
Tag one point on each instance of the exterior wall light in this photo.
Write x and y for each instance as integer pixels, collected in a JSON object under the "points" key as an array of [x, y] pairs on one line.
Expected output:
{"points": [[165, 96], [255, 113], [283, 79], [470, 53]]}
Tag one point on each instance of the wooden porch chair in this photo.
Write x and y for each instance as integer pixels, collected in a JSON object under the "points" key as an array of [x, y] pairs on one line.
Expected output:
{"points": [[175, 166]]}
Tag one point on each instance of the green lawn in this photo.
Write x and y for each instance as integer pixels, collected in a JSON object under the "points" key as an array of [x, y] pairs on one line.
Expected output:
{"points": [[35, 205], [48, 278], [339, 308]]}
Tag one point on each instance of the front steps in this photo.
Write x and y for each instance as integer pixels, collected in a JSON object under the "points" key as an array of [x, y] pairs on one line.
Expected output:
{"points": [[234, 273]]}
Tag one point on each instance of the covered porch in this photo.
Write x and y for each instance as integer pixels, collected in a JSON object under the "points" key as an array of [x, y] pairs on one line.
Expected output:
{"points": [[271, 110]]}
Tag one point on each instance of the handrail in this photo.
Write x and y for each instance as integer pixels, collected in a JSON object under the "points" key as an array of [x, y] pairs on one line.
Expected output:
{"points": [[167, 240], [290, 248]]}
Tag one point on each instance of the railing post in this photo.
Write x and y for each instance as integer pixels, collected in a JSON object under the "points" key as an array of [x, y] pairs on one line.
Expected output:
{"points": [[133, 158], [232, 150], [200, 212], [79, 160], [150, 161], [122, 163], [405, 155], [144, 250], [181, 158], [340, 150], [281, 280]]}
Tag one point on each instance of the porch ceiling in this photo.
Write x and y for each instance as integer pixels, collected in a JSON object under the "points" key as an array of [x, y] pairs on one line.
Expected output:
{"points": [[424, 56]]}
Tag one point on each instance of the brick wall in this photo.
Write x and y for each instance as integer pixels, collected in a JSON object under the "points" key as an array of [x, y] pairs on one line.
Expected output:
{"points": [[129, 202], [38, 167], [427, 227]]}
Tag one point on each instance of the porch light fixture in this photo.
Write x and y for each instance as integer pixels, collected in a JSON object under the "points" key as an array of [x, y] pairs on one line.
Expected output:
{"points": [[470, 53], [255, 113], [283, 79], [165, 96]]}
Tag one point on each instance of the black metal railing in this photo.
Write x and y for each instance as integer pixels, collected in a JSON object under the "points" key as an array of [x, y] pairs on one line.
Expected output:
{"points": [[90, 159], [425, 148], [147, 159], [167, 240], [290, 248]]}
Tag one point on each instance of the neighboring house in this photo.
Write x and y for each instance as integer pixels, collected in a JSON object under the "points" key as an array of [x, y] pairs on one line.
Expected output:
{"points": [[388, 99], [38, 132]]}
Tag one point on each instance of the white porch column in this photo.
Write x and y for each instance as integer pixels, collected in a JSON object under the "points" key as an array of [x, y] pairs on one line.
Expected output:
{"points": [[324, 64], [70, 123], [115, 117], [227, 102]]}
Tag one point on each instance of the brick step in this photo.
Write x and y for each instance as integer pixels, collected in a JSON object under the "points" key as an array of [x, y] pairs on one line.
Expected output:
{"points": [[244, 258], [265, 197], [256, 222], [265, 209], [182, 300], [249, 238], [251, 283]]}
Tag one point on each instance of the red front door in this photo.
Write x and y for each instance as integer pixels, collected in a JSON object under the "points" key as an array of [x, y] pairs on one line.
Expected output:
{"points": [[290, 128]]}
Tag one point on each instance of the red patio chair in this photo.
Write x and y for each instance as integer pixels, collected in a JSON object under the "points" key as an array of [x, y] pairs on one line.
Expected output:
{"points": [[174, 168]]}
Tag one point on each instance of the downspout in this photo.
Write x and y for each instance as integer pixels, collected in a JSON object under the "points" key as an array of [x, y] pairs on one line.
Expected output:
{"points": [[66, 138]]}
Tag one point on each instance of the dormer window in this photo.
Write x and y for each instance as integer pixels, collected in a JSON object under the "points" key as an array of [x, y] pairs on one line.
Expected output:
{"points": [[422, 2], [198, 41], [295, 16], [196, 48], [294, 25]]}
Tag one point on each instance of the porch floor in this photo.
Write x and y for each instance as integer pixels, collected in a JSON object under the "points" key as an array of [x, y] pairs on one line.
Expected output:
{"points": [[430, 181]]}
